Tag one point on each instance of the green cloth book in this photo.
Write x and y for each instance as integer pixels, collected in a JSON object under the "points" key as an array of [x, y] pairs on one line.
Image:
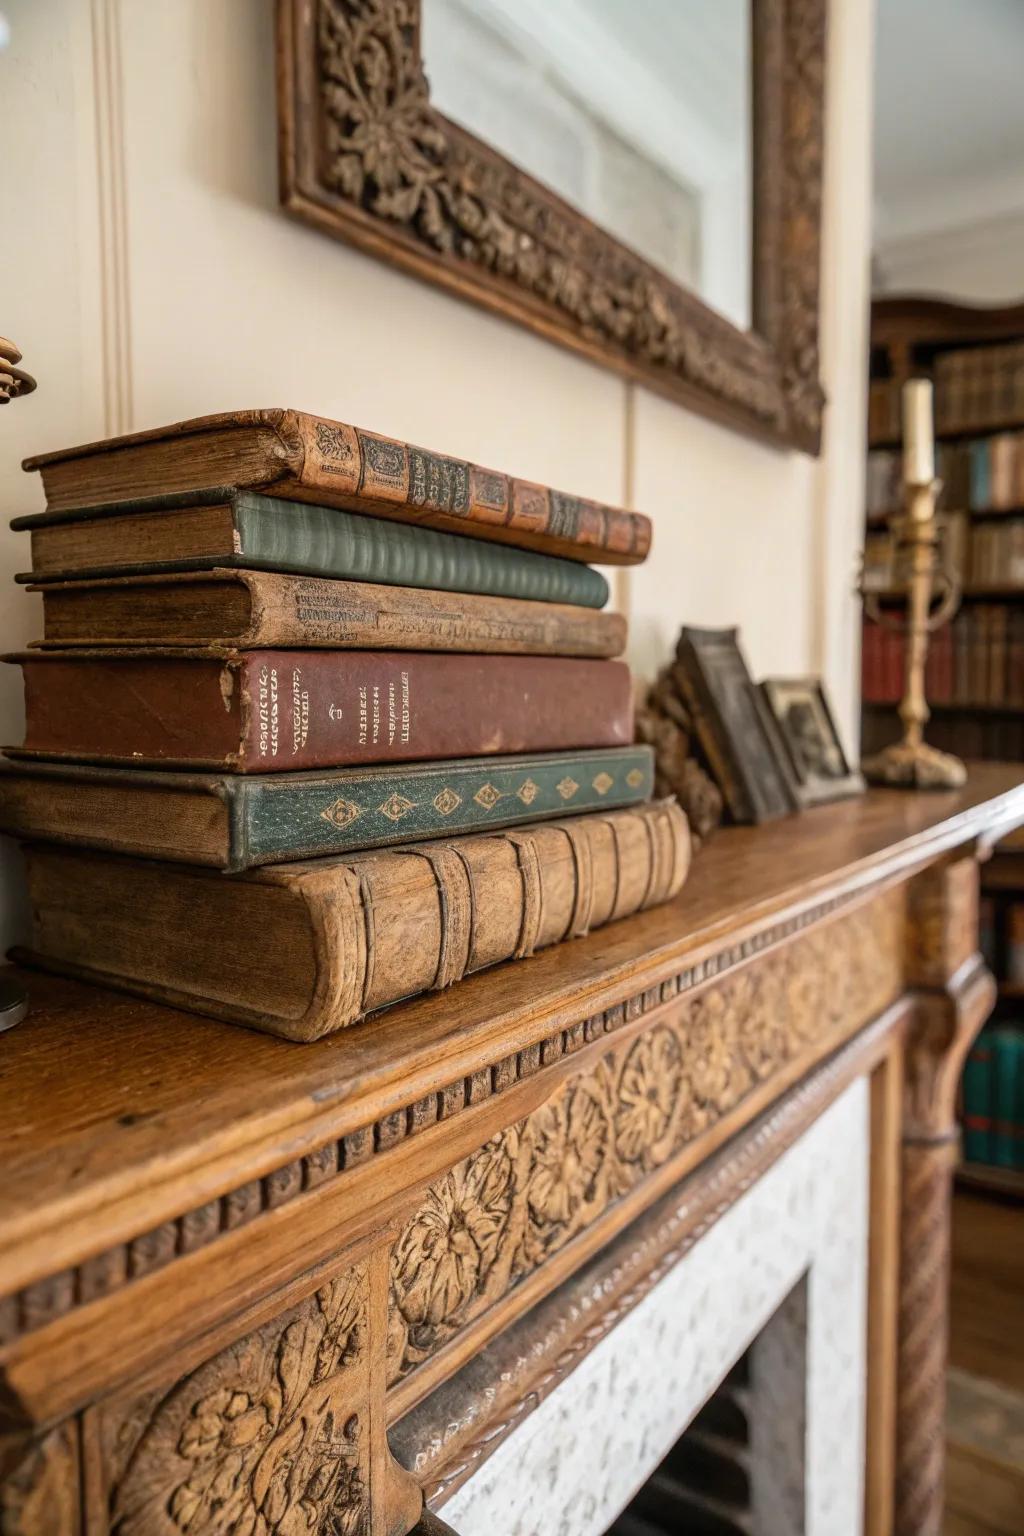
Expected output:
{"points": [[236, 821], [977, 1101], [199, 530], [1008, 1073]]}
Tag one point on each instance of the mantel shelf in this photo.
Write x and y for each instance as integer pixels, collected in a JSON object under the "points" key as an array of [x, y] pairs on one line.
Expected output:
{"points": [[107, 1099]]}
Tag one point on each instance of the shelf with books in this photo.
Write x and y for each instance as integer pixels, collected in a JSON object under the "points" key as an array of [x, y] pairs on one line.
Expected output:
{"points": [[975, 679], [1011, 423]]}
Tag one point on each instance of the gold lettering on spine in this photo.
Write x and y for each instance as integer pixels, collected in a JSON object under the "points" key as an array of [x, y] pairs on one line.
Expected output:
{"points": [[300, 711], [267, 710]]}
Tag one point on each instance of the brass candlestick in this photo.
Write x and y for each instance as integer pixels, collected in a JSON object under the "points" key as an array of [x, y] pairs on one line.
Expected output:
{"points": [[912, 763]]}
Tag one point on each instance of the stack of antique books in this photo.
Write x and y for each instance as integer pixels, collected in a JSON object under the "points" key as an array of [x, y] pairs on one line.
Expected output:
{"points": [[275, 646]]}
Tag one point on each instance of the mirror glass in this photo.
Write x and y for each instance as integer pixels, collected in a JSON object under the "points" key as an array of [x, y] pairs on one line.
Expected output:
{"points": [[637, 112]]}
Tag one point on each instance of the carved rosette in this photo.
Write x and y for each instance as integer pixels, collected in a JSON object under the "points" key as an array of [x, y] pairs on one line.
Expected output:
{"points": [[369, 158], [264, 1439], [503, 1211]]}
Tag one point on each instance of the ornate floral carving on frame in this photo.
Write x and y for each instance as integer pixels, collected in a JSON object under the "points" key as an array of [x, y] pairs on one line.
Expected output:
{"points": [[498, 1215], [264, 1439], [366, 158]]}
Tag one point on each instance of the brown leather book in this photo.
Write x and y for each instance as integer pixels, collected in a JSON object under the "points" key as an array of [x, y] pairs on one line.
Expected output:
{"points": [[263, 608], [307, 458], [301, 950], [267, 711]]}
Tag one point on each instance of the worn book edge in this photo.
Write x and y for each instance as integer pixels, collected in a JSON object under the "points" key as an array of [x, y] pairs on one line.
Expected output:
{"points": [[348, 794], [335, 894]]}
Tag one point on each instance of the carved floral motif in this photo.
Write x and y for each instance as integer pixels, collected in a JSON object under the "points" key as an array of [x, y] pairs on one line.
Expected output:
{"points": [[446, 1252], [262, 1440], [649, 1090], [570, 1143], [501, 1213]]}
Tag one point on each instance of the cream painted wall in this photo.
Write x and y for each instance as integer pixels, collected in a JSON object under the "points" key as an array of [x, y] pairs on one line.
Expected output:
{"points": [[150, 275]]}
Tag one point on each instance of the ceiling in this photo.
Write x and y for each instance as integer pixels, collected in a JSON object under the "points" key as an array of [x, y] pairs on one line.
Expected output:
{"points": [[949, 114]]}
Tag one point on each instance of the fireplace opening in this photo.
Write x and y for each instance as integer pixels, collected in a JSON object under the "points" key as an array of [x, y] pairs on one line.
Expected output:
{"points": [[738, 1469]]}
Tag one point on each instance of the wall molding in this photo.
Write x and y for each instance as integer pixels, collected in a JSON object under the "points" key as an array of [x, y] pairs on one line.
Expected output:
{"points": [[112, 202]]}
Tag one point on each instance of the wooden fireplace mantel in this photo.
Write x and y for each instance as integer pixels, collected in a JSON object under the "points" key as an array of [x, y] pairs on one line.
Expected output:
{"points": [[229, 1264]]}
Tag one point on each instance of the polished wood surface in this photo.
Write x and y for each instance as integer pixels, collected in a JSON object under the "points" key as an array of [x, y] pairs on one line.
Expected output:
{"points": [[100, 1093], [186, 1202]]}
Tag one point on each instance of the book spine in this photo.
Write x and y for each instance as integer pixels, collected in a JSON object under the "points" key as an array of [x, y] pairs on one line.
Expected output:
{"points": [[378, 927], [1009, 1061], [329, 542], [310, 709], [979, 472], [269, 711], [398, 479], [977, 1103], [290, 818], [251, 449], [306, 611], [503, 898]]}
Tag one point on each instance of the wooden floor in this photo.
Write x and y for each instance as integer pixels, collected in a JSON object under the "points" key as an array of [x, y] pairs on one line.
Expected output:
{"points": [[985, 1464]]}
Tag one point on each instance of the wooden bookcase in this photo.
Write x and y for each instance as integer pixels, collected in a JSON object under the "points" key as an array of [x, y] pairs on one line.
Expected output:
{"points": [[916, 337]]}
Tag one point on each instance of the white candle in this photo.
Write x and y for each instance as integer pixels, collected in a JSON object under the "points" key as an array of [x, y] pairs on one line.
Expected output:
{"points": [[918, 442]]}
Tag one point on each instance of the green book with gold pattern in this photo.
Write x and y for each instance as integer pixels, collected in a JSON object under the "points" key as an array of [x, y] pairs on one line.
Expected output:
{"points": [[237, 821]]}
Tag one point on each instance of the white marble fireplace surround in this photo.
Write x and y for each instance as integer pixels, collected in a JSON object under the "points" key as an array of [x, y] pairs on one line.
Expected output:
{"points": [[575, 1463]]}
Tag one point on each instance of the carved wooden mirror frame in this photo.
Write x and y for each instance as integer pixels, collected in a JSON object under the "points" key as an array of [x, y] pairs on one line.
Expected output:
{"points": [[365, 158]]}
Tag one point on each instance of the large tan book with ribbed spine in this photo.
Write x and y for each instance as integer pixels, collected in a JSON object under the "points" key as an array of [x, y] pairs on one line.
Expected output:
{"points": [[301, 950]]}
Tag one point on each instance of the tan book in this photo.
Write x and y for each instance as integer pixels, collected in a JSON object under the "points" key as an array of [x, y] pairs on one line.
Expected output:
{"points": [[300, 457], [301, 950], [259, 609], [1002, 457]]}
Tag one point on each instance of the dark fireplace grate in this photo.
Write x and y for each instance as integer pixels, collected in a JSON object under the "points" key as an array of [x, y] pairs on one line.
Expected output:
{"points": [[703, 1486]]}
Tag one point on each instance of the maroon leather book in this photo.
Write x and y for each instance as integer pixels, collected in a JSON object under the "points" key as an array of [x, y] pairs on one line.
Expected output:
{"points": [[266, 711]]}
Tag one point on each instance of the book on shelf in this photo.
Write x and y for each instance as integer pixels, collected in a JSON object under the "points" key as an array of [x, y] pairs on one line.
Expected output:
{"points": [[301, 950], [1007, 1076], [983, 474], [264, 711], [976, 661], [301, 457], [884, 490], [977, 388], [885, 419], [234, 822], [257, 609], [997, 554], [992, 1098], [881, 568], [230, 527], [976, 1101]]}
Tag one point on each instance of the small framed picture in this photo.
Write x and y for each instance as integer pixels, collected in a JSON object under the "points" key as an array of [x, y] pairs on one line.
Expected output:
{"points": [[808, 731]]}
